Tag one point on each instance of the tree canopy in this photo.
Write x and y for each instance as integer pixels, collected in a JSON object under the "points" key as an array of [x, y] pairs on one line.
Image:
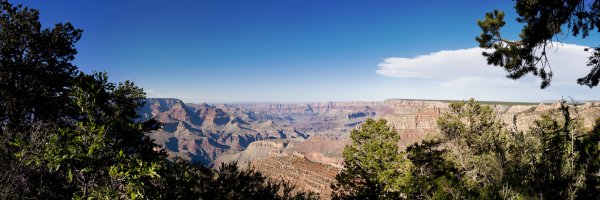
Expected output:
{"points": [[476, 156], [373, 166], [545, 22]]}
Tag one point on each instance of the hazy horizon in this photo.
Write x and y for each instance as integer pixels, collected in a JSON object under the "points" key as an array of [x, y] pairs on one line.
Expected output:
{"points": [[568, 100]]}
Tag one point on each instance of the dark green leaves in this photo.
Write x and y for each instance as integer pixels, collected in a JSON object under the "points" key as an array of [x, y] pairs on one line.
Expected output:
{"points": [[477, 157], [374, 168], [544, 22], [592, 79]]}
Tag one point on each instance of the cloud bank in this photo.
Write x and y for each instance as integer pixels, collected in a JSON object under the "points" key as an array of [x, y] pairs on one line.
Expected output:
{"points": [[466, 71], [468, 67]]}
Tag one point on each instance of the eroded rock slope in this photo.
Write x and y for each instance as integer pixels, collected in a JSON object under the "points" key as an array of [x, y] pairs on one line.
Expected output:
{"points": [[303, 142]]}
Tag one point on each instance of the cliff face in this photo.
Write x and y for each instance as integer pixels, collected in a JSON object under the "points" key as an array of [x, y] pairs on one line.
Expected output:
{"points": [[414, 119], [212, 134], [256, 150], [303, 143], [303, 173], [203, 132]]}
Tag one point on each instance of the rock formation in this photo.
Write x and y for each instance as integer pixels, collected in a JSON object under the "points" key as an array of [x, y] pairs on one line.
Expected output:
{"points": [[303, 142]]}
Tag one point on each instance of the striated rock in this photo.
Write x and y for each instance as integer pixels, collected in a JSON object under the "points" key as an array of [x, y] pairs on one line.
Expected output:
{"points": [[326, 149], [303, 173], [303, 142], [414, 119], [257, 149], [217, 133]]}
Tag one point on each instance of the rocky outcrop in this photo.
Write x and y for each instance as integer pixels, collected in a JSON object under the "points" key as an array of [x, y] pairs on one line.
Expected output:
{"points": [[204, 132], [303, 173], [414, 119], [257, 149], [303, 142], [326, 149], [222, 132], [302, 108]]}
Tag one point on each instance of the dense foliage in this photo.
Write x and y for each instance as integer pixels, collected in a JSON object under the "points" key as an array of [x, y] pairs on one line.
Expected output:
{"points": [[65, 134], [477, 156], [373, 166], [545, 22]]}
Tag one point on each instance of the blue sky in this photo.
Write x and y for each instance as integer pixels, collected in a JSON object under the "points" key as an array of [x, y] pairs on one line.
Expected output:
{"points": [[302, 50]]}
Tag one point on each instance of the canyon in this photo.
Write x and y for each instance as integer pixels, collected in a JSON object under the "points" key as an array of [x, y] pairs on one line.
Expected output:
{"points": [[303, 142]]}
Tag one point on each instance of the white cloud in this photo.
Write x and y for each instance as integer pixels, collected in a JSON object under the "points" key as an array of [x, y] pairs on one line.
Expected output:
{"points": [[480, 82], [467, 67], [464, 73]]}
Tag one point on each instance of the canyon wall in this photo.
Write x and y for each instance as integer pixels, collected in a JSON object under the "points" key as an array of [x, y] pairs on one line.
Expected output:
{"points": [[311, 135], [204, 132]]}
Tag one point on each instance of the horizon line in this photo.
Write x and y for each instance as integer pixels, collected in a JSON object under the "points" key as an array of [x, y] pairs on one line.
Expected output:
{"points": [[380, 101]]}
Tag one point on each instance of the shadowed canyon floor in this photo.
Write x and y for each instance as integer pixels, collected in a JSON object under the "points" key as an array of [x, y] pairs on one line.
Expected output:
{"points": [[303, 142]]}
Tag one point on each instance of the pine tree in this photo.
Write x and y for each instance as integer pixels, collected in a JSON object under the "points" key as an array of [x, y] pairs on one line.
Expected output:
{"points": [[477, 140], [373, 166], [544, 21]]}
